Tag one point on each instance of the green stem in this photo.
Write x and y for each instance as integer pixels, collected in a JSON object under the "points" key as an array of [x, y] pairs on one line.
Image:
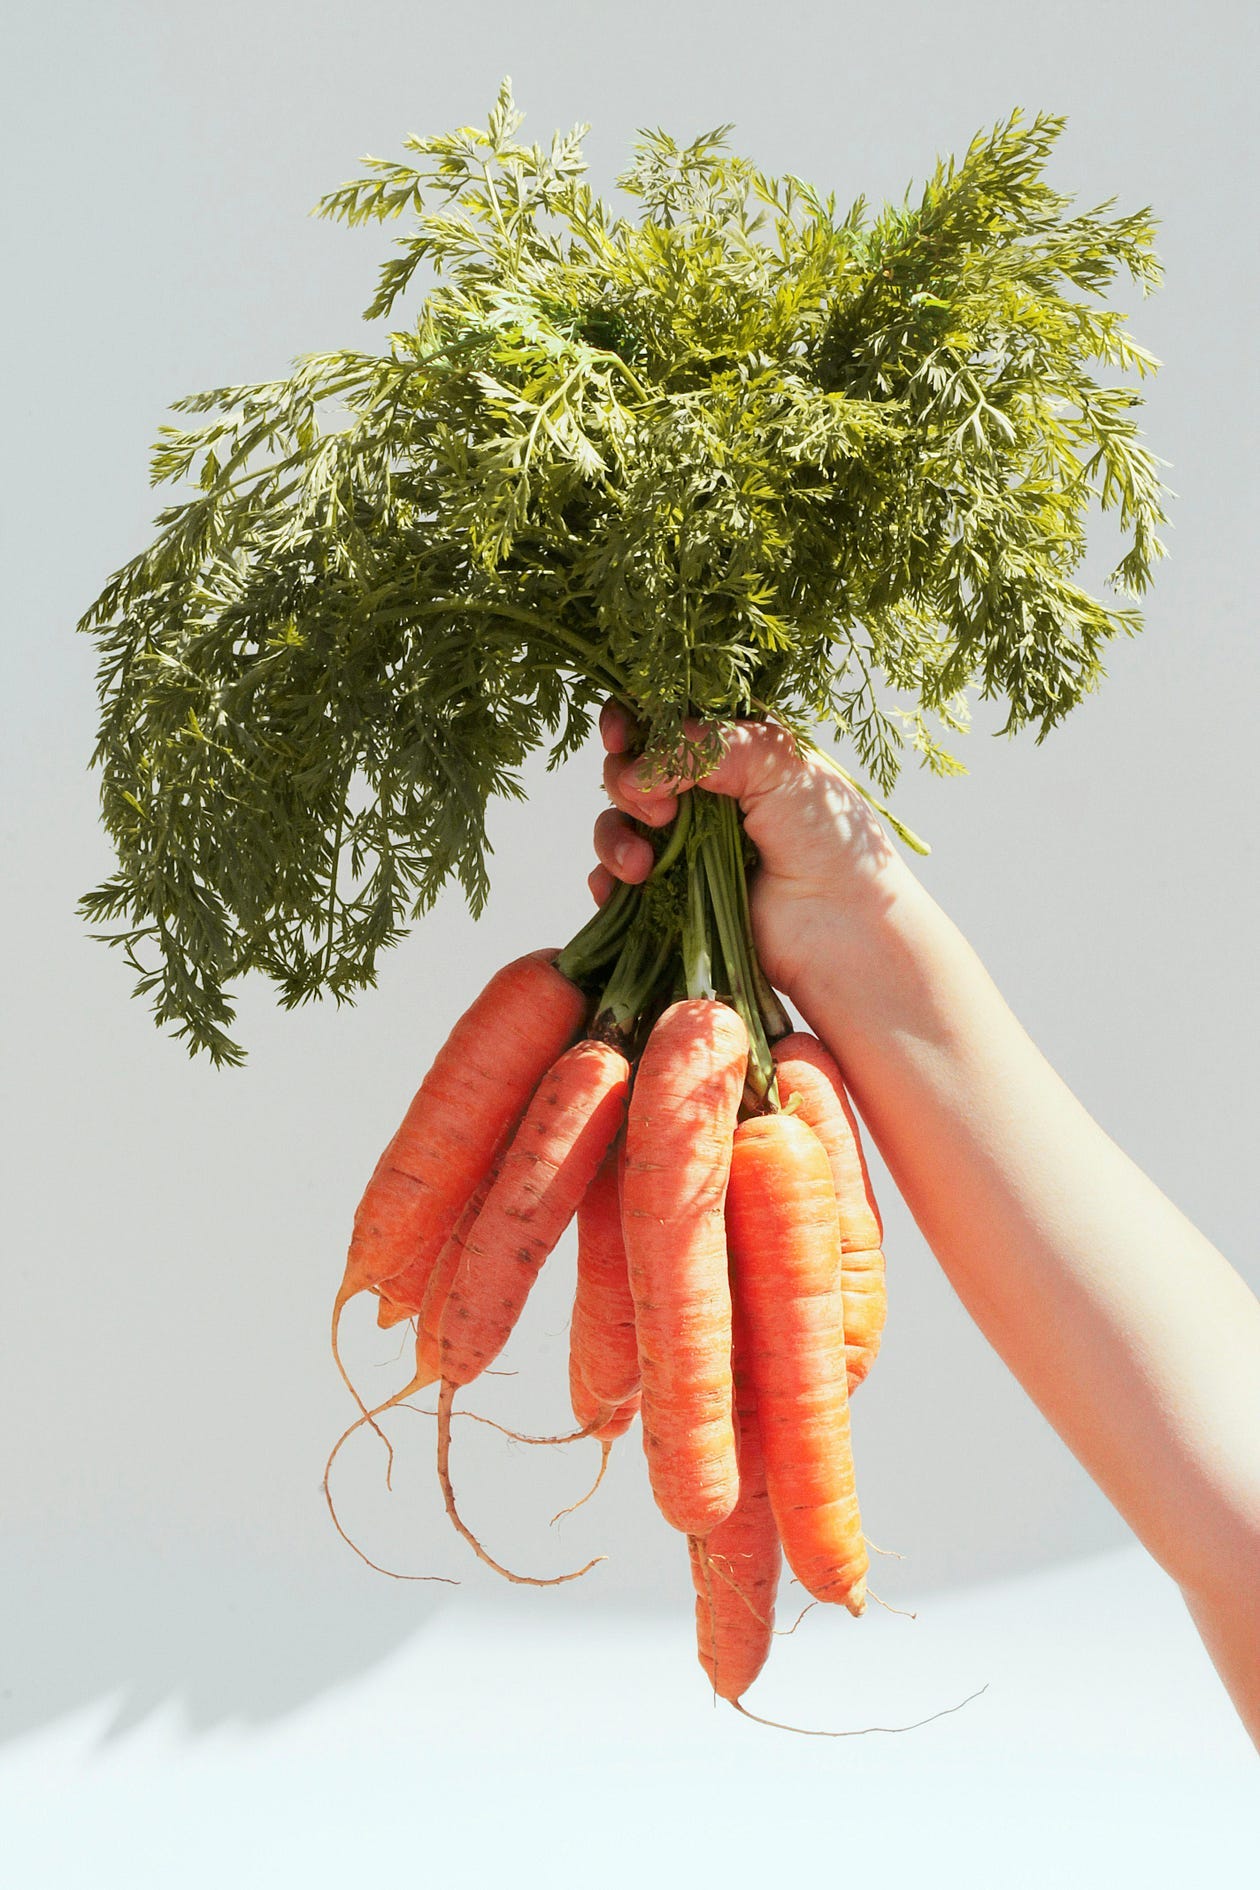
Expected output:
{"points": [[697, 938], [649, 944], [724, 871], [600, 669], [600, 939], [603, 937], [678, 836], [773, 1016], [640, 966]]}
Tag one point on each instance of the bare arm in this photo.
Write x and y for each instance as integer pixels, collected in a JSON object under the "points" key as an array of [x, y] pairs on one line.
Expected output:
{"points": [[1132, 1333], [1134, 1336]]}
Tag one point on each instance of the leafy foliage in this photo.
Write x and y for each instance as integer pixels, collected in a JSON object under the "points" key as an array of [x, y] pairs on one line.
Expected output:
{"points": [[732, 454]]}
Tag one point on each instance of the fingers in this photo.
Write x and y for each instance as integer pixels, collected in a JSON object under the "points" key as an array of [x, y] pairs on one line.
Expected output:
{"points": [[621, 852], [654, 804], [601, 883], [759, 757], [617, 727]]}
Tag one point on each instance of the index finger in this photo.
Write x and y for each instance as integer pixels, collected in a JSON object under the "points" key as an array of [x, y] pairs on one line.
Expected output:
{"points": [[617, 727]]}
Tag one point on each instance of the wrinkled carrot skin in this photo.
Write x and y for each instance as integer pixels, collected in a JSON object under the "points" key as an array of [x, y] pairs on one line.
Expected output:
{"points": [[736, 1569], [865, 1307], [575, 1113], [442, 1278], [808, 1070], [587, 1409], [786, 1271], [409, 1292], [682, 1115], [480, 1083], [389, 1312], [602, 1341], [620, 1421]]}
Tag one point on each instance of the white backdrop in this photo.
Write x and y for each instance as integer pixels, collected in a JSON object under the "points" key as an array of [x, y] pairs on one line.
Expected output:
{"points": [[174, 1235]]}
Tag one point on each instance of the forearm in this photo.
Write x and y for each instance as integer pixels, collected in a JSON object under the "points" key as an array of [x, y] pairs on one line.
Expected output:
{"points": [[1134, 1336]]}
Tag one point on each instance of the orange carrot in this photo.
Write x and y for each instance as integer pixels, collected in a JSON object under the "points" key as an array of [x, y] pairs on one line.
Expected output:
{"points": [[604, 1422], [566, 1131], [602, 1343], [428, 1369], [449, 1261], [678, 1154], [479, 1084], [808, 1070], [389, 1312], [785, 1264], [736, 1568], [407, 1293]]}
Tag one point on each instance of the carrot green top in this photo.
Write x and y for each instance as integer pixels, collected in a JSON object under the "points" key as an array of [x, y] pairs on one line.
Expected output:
{"points": [[729, 453]]}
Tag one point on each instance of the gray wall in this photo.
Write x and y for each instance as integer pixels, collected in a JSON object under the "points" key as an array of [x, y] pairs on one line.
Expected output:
{"points": [[174, 1235]]}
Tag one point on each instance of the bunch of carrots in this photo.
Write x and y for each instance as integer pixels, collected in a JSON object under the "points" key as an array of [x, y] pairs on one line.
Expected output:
{"points": [[730, 1275], [840, 473]]}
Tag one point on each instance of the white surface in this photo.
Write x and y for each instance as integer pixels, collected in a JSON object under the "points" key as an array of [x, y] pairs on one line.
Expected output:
{"points": [[524, 1740]]}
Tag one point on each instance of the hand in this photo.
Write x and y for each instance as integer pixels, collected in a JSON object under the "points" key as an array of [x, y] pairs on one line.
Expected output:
{"points": [[825, 863]]}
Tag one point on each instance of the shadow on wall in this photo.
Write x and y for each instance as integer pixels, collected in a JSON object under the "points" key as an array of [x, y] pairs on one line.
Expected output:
{"points": [[220, 1643], [223, 1635], [168, 1545]]}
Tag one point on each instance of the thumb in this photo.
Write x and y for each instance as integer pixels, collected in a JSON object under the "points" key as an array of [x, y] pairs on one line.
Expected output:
{"points": [[760, 759]]}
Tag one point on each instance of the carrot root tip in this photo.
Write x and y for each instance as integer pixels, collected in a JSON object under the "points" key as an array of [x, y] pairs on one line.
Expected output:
{"points": [[856, 1732], [605, 1453], [344, 1295], [785, 1631], [394, 1574], [445, 1402]]}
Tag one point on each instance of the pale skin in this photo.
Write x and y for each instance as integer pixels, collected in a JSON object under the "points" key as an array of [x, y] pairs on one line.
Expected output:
{"points": [[1132, 1333]]}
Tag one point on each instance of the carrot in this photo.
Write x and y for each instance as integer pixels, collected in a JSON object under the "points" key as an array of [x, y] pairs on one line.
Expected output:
{"points": [[564, 1135], [424, 1303], [785, 1260], [599, 1422], [479, 1084], [808, 1070], [449, 1261], [678, 1154], [407, 1294], [736, 1568], [602, 1344], [588, 1410], [574, 1116], [604, 1422], [603, 1351], [389, 1312], [428, 1370]]}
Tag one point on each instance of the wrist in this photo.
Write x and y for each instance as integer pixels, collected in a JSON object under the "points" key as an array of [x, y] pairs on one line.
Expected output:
{"points": [[855, 953]]}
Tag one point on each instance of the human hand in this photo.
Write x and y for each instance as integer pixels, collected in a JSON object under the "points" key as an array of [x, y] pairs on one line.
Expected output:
{"points": [[825, 863]]}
